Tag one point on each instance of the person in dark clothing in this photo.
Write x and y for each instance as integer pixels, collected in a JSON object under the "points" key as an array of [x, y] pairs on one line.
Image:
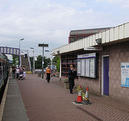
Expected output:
{"points": [[71, 77], [13, 72]]}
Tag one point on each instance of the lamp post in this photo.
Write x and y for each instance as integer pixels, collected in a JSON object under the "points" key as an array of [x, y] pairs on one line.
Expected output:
{"points": [[20, 51], [33, 60], [43, 45]]}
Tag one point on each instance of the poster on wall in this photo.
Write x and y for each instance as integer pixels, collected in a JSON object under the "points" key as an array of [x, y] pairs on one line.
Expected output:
{"points": [[78, 67], [92, 67], [83, 67], [87, 68], [125, 74]]}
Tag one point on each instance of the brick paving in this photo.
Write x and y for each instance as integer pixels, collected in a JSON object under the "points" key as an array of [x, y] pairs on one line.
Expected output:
{"points": [[52, 102]]}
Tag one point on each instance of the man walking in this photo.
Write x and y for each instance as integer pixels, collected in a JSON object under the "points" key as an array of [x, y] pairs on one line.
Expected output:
{"points": [[48, 73]]}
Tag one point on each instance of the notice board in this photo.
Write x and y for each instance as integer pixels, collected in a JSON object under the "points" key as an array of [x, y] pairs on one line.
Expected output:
{"points": [[87, 65], [79, 67], [125, 74]]}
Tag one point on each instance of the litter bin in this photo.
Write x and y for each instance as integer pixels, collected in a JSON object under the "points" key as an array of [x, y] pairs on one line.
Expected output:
{"points": [[66, 84]]}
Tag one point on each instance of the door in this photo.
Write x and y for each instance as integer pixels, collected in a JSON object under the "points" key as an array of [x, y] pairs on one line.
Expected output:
{"points": [[106, 75]]}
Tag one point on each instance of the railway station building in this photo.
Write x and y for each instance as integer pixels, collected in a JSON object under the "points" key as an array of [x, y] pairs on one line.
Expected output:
{"points": [[101, 58]]}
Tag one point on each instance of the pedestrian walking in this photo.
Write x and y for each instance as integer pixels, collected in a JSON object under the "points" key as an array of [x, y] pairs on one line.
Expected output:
{"points": [[24, 72], [21, 77], [71, 77], [17, 72], [48, 74]]}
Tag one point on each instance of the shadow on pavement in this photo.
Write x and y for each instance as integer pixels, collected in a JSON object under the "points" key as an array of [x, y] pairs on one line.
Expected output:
{"points": [[92, 115]]}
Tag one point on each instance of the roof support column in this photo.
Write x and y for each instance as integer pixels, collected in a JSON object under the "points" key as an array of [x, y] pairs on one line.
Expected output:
{"points": [[60, 67]]}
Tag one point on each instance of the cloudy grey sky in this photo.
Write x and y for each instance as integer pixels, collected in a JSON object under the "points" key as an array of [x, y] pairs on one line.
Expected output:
{"points": [[50, 21]]}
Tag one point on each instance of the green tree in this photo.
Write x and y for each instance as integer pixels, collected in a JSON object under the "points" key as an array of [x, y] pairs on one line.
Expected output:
{"points": [[38, 63], [47, 61], [15, 60], [56, 61]]}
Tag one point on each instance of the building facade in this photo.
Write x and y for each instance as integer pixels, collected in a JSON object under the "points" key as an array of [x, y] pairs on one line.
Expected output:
{"points": [[102, 62]]}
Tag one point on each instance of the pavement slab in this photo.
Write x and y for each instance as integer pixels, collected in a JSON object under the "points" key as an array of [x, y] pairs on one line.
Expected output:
{"points": [[14, 109], [52, 102]]}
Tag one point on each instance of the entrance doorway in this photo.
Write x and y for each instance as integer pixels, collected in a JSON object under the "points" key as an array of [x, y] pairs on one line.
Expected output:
{"points": [[105, 79]]}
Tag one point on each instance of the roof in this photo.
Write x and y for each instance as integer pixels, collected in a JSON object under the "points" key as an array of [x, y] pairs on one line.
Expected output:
{"points": [[114, 34], [88, 31]]}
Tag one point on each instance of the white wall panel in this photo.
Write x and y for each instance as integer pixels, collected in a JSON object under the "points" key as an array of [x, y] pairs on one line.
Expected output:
{"points": [[126, 30], [94, 38], [111, 34], [83, 43], [87, 43], [103, 37], [116, 30], [107, 36], [121, 31], [91, 41]]}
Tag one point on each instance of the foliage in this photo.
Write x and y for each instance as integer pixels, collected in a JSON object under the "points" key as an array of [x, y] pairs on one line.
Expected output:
{"points": [[15, 60], [56, 60], [38, 63]]}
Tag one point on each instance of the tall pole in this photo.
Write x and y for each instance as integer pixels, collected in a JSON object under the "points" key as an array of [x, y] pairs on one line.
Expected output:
{"points": [[33, 62], [20, 51], [19, 54], [33, 71], [29, 59], [42, 62], [43, 45]]}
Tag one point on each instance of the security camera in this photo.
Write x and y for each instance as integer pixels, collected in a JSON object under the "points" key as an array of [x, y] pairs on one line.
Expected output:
{"points": [[99, 41]]}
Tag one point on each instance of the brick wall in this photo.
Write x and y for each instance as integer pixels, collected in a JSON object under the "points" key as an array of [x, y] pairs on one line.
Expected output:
{"points": [[118, 53]]}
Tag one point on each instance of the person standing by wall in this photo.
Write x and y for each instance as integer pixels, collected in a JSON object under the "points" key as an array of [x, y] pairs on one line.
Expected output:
{"points": [[48, 73], [71, 77]]}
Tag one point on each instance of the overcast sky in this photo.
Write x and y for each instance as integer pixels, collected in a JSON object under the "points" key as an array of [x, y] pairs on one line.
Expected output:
{"points": [[50, 21]]}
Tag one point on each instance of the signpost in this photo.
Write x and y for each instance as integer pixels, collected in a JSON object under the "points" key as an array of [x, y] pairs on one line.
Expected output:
{"points": [[43, 45]]}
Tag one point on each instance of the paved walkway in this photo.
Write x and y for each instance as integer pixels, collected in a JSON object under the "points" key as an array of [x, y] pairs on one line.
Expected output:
{"points": [[14, 109], [52, 102]]}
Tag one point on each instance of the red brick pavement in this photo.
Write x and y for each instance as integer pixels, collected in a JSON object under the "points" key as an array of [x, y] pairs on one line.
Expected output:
{"points": [[52, 102]]}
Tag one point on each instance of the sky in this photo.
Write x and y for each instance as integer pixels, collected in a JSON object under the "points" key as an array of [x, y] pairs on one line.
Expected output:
{"points": [[50, 21]]}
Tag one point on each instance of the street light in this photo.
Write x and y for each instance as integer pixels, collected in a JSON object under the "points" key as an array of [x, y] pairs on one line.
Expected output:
{"points": [[33, 60], [43, 45], [20, 51]]}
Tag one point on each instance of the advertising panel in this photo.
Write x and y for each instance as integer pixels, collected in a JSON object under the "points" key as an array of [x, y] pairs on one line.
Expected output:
{"points": [[82, 67], [78, 67], [125, 74], [92, 67], [87, 68]]}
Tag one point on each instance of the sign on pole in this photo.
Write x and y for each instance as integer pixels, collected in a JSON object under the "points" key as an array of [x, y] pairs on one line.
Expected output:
{"points": [[43, 45]]}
